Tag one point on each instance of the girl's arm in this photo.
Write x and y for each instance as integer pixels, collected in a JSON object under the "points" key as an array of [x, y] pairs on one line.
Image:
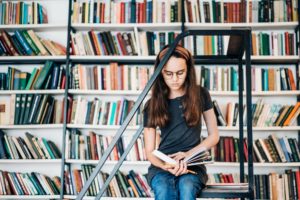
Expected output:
{"points": [[211, 140], [149, 137]]}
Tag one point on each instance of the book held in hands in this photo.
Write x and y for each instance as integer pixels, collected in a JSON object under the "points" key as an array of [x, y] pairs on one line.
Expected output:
{"points": [[200, 157]]}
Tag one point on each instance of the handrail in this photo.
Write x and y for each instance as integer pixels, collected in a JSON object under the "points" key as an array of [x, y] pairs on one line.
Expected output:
{"points": [[242, 32]]}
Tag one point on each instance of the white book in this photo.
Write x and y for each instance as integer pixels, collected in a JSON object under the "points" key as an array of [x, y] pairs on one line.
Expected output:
{"points": [[107, 11], [190, 160], [256, 151], [91, 11], [167, 11]]}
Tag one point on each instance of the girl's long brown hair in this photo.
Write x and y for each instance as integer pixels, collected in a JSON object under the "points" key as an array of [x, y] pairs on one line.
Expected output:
{"points": [[157, 106]]}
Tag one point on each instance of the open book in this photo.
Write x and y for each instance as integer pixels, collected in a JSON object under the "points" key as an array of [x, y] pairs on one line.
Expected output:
{"points": [[200, 157]]}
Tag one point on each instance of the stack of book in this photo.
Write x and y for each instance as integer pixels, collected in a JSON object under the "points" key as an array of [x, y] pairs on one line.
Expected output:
{"points": [[99, 112], [22, 13], [92, 147], [16, 183], [110, 77], [28, 43], [30, 147], [263, 79], [104, 43], [130, 185], [151, 11], [31, 109], [50, 76], [206, 11], [264, 115]]}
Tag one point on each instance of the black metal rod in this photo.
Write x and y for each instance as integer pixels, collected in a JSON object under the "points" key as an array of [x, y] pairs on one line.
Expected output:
{"points": [[119, 163], [65, 103], [249, 111], [241, 126]]}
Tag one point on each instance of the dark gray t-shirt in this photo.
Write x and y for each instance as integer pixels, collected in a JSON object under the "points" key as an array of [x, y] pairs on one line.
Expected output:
{"points": [[178, 136]]}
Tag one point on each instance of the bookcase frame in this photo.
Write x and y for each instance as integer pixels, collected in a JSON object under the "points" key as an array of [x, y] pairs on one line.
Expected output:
{"points": [[70, 60], [234, 55]]}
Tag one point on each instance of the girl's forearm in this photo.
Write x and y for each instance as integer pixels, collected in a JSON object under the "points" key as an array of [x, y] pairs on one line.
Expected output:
{"points": [[155, 161], [208, 143]]}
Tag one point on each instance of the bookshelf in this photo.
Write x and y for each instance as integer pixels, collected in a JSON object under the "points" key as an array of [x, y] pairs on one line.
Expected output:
{"points": [[58, 29]]}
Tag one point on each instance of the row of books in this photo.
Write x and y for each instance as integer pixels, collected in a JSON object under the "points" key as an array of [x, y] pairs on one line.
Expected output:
{"points": [[283, 186], [31, 109], [33, 183], [271, 149], [133, 77], [274, 43], [92, 147], [22, 13], [103, 43], [110, 77], [263, 44], [132, 11], [28, 43], [278, 186], [50, 76], [101, 112], [263, 79], [29, 147], [117, 43], [152, 42], [263, 115], [204, 11], [130, 185]]}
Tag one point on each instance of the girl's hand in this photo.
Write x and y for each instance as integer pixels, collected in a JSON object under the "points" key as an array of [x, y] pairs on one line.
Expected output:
{"points": [[182, 168], [178, 156], [178, 169]]}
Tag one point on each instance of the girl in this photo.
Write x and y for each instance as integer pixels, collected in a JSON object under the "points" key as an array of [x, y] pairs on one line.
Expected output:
{"points": [[176, 107]]}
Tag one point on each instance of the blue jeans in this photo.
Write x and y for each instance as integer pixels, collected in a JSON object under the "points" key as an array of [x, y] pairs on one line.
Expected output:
{"points": [[166, 186]]}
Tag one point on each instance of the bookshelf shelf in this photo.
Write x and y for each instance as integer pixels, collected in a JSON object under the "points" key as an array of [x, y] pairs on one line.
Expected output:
{"points": [[127, 27], [256, 93], [102, 127], [31, 161], [106, 198], [254, 26], [270, 59], [29, 197], [127, 163], [105, 92], [34, 126], [32, 58], [36, 27], [145, 164], [212, 93], [275, 59], [227, 164], [53, 92], [221, 128], [112, 58]]}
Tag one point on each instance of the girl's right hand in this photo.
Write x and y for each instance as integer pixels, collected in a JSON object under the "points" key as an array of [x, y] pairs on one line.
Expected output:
{"points": [[178, 169]]}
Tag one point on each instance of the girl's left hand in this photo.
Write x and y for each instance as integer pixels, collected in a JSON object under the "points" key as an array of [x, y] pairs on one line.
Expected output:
{"points": [[178, 156]]}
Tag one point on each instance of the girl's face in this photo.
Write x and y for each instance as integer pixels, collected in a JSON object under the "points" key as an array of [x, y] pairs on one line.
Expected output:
{"points": [[174, 73]]}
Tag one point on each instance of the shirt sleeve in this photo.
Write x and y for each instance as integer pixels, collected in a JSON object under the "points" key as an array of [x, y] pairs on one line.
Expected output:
{"points": [[206, 99]]}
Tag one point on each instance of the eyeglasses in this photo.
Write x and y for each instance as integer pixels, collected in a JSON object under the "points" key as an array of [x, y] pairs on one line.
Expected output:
{"points": [[169, 75]]}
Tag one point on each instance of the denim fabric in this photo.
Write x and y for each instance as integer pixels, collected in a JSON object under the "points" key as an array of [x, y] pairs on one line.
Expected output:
{"points": [[166, 186]]}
